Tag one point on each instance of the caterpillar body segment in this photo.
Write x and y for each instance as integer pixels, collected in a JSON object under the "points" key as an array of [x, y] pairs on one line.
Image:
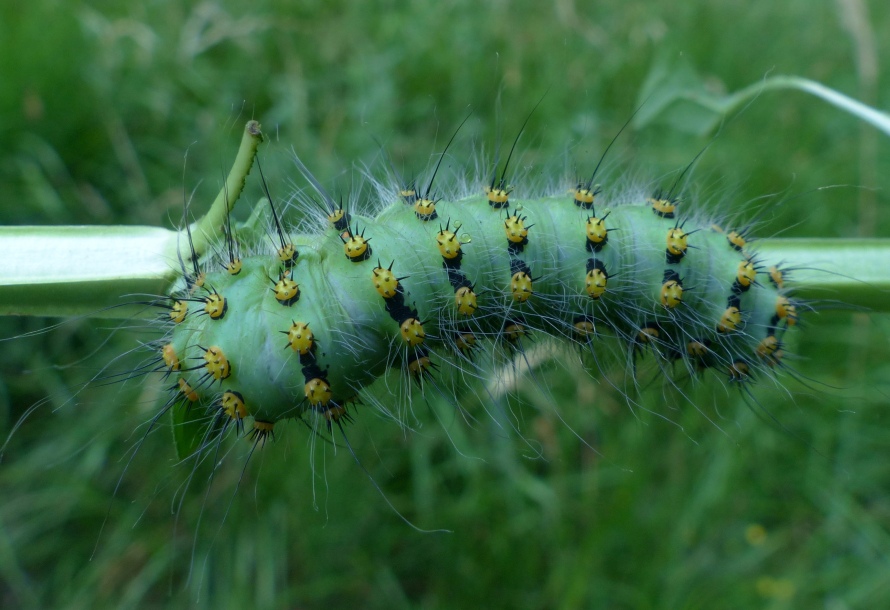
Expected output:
{"points": [[449, 286]]}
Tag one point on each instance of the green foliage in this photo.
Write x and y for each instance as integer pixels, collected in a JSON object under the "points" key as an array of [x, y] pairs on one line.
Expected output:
{"points": [[98, 108]]}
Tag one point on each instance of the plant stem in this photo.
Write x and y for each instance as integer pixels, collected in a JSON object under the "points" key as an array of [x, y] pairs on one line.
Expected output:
{"points": [[115, 265], [852, 272], [877, 118], [70, 271], [108, 271], [208, 229]]}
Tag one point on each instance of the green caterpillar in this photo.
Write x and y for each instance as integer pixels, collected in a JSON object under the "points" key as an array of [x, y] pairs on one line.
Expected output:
{"points": [[426, 286]]}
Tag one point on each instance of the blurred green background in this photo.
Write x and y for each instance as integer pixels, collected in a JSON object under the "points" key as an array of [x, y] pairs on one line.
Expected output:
{"points": [[101, 104]]}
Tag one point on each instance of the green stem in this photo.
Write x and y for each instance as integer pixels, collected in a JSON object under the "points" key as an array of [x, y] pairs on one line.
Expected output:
{"points": [[848, 104], [208, 229], [114, 265], [854, 272], [70, 271], [101, 271]]}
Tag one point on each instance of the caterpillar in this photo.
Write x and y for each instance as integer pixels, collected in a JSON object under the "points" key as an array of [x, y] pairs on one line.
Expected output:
{"points": [[427, 287], [284, 325]]}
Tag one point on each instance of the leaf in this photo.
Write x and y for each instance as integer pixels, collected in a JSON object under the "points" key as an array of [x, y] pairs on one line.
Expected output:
{"points": [[675, 94], [188, 429]]}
